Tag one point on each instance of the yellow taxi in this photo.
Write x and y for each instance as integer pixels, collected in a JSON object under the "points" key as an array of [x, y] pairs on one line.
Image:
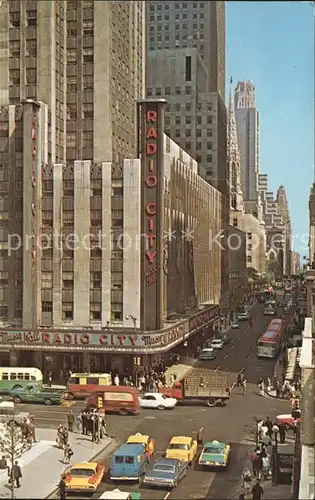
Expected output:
{"points": [[182, 448], [83, 477], [144, 439]]}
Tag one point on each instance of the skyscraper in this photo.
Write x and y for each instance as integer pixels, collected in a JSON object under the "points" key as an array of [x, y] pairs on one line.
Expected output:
{"points": [[33, 66], [186, 66], [105, 77], [247, 123], [70, 74]]}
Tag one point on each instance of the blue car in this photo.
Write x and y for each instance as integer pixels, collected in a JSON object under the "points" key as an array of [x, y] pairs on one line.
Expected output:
{"points": [[166, 473]]}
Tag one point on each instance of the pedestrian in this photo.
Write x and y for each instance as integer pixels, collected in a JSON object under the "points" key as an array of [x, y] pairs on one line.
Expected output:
{"points": [[265, 466], [244, 385], [257, 491], [116, 380], [49, 379], [261, 387], [282, 432], [16, 474], [200, 437], [3, 463], [78, 422], [70, 418], [84, 423], [62, 487], [268, 424], [67, 454]]}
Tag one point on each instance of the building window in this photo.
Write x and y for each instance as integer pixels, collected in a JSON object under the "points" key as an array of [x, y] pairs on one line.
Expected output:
{"points": [[71, 56], [47, 306], [15, 19], [188, 120], [209, 158], [209, 132], [3, 311], [209, 145], [235, 222], [188, 68], [88, 110], [31, 48], [95, 312], [15, 48], [198, 146], [47, 280], [188, 132], [67, 311], [249, 236], [116, 316], [15, 77], [249, 247], [188, 146], [249, 259], [31, 76], [96, 280], [31, 18]]}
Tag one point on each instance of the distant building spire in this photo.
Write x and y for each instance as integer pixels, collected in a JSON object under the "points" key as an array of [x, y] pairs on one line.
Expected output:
{"points": [[236, 194]]}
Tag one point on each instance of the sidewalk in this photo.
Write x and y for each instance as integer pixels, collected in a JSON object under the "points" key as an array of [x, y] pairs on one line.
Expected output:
{"points": [[42, 465], [271, 492]]}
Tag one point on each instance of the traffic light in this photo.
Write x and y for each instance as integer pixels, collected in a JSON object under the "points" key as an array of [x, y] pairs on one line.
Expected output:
{"points": [[99, 402]]}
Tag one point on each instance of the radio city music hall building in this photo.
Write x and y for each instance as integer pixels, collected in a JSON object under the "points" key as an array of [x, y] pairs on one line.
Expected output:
{"points": [[116, 273]]}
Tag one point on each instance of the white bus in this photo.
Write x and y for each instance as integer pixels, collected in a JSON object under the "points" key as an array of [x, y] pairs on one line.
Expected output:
{"points": [[270, 342]]}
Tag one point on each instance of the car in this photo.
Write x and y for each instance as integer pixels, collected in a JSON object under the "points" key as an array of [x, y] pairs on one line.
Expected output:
{"points": [[34, 393], [217, 344], [84, 477], [182, 448], [147, 441], [157, 401], [214, 454], [224, 337], [207, 353], [235, 324], [166, 472], [244, 316], [118, 494]]}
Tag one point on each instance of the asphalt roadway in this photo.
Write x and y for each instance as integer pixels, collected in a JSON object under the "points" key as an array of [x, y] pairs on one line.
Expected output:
{"points": [[233, 423]]}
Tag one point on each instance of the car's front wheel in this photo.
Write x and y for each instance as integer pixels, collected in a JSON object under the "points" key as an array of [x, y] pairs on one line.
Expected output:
{"points": [[161, 407]]}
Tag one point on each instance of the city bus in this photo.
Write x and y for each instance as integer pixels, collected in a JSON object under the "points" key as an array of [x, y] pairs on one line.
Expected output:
{"points": [[17, 378], [270, 342]]}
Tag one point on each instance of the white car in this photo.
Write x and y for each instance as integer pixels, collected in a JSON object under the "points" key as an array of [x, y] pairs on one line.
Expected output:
{"points": [[235, 324], [157, 401], [217, 344]]}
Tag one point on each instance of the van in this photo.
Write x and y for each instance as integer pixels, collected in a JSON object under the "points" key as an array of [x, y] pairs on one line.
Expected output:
{"points": [[17, 378], [129, 462], [116, 399], [81, 385]]}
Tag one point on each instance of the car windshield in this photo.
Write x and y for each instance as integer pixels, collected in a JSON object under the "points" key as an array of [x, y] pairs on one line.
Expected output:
{"points": [[81, 472], [218, 341], [164, 468], [179, 446], [213, 451]]}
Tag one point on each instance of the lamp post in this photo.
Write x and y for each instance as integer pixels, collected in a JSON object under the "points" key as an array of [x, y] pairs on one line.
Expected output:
{"points": [[133, 319]]}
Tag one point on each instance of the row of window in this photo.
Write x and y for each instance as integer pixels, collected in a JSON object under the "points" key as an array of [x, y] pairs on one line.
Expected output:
{"points": [[31, 19], [95, 311], [176, 6]]}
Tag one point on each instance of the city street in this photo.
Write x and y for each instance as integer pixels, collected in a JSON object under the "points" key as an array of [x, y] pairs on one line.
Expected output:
{"points": [[233, 423]]}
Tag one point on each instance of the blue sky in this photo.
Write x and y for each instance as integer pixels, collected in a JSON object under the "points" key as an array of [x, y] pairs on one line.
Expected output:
{"points": [[272, 44]]}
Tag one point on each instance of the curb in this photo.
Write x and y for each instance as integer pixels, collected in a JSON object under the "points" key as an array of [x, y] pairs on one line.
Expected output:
{"points": [[107, 450]]}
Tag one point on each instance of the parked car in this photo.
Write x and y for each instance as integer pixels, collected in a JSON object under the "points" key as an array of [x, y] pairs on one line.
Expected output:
{"points": [[166, 473], [217, 344], [243, 316], [207, 353], [225, 338], [235, 324], [157, 401]]}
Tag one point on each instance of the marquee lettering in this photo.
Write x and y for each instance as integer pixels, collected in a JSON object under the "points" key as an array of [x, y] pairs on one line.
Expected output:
{"points": [[151, 182]]}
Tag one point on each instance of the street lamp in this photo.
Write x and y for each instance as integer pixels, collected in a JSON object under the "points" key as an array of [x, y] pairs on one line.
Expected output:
{"points": [[275, 459], [133, 319]]}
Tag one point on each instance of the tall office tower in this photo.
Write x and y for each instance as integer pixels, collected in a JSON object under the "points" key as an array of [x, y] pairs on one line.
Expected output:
{"points": [[283, 209], [33, 62], [186, 66], [105, 77], [247, 123], [236, 195]]}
